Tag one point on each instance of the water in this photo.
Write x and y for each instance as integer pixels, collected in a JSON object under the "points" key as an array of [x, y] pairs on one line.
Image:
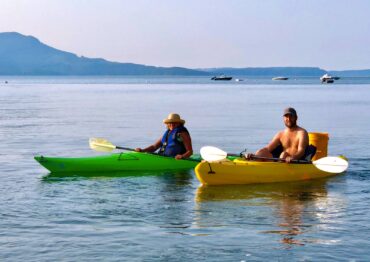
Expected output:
{"points": [[168, 216]]}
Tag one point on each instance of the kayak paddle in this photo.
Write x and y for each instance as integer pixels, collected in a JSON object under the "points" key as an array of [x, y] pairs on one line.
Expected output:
{"points": [[328, 164], [211, 153], [103, 145]]}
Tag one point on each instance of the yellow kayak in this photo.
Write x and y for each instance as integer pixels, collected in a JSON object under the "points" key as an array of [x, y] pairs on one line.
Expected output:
{"points": [[241, 171]]}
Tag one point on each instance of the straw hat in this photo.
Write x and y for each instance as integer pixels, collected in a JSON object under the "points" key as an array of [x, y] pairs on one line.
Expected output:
{"points": [[173, 118]]}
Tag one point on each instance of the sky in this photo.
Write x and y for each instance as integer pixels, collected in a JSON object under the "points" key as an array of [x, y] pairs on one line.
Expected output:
{"points": [[330, 34]]}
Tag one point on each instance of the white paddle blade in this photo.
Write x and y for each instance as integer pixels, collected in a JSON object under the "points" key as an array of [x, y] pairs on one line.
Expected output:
{"points": [[101, 145], [331, 164], [211, 153]]}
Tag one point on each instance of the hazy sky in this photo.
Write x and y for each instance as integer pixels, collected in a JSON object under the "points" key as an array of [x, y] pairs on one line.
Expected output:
{"points": [[331, 34]]}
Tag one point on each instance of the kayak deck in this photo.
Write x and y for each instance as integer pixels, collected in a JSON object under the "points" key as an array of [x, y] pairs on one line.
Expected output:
{"points": [[242, 171], [125, 161]]}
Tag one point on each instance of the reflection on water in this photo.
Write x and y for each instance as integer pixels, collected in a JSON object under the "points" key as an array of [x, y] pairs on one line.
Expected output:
{"points": [[294, 208], [181, 177], [301, 190]]}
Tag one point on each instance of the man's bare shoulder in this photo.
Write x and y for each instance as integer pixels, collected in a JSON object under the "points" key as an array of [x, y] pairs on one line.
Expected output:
{"points": [[302, 130], [280, 134]]}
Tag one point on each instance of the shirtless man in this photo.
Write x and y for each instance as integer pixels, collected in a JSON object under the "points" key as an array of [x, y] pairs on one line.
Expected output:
{"points": [[289, 144]]}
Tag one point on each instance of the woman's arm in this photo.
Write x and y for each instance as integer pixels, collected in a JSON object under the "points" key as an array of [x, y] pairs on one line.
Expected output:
{"points": [[150, 148], [186, 139]]}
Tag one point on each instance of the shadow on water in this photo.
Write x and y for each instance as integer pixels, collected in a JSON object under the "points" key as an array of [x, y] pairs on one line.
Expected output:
{"points": [[177, 178], [292, 208], [182, 177], [163, 196]]}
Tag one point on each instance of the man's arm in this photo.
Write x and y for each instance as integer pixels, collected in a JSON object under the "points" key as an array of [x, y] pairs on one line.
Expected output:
{"points": [[267, 150], [274, 143]]}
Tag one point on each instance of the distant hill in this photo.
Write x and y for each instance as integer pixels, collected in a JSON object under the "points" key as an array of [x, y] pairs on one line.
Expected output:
{"points": [[351, 73], [26, 55]]}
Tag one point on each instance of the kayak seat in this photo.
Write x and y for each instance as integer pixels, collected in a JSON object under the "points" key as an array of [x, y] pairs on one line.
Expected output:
{"points": [[308, 154], [277, 151]]}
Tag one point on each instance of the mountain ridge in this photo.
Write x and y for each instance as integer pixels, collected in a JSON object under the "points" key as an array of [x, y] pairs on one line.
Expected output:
{"points": [[27, 55]]}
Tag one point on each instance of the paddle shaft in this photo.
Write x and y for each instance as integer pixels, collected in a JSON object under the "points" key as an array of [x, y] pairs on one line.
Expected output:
{"points": [[327, 164], [273, 159], [281, 160], [324, 166], [125, 148], [152, 153], [239, 155], [96, 143]]}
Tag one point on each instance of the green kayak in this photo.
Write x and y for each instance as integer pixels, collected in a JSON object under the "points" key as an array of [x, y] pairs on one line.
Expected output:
{"points": [[127, 161]]}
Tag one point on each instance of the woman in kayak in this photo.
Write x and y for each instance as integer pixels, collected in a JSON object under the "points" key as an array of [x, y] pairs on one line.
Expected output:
{"points": [[289, 144], [175, 142]]}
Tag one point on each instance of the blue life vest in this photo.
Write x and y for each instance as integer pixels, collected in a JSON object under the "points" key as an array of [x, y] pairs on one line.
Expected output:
{"points": [[171, 142]]}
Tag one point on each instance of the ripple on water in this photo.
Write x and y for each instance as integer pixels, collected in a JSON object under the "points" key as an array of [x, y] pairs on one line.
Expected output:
{"points": [[167, 216]]}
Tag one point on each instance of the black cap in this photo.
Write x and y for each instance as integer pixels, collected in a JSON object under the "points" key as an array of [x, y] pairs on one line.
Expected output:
{"points": [[290, 111]]}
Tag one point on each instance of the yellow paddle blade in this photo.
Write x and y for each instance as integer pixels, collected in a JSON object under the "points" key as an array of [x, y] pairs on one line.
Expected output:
{"points": [[101, 144]]}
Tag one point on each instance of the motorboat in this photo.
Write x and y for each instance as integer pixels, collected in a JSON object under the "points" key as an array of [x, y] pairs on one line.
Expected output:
{"points": [[328, 79], [280, 78], [222, 78], [325, 77]]}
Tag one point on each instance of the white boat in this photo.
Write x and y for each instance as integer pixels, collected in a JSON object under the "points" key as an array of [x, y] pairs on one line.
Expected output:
{"points": [[328, 78], [280, 78], [325, 77]]}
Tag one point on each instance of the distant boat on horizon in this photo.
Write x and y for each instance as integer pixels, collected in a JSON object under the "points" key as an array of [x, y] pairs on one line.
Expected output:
{"points": [[280, 78], [222, 78], [328, 79]]}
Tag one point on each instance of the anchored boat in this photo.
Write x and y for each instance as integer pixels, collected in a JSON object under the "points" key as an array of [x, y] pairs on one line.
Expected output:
{"points": [[280, 78], [222, 78], [328, 79]]}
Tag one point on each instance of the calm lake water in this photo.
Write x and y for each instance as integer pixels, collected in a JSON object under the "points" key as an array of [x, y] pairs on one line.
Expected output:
{"points": [[168, 216]]}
